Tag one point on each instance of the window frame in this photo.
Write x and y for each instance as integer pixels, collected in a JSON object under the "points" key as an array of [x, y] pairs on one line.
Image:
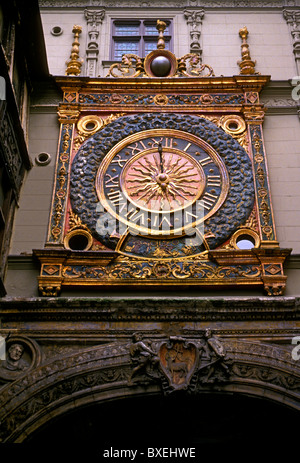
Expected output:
{"points": [[142, 38]]}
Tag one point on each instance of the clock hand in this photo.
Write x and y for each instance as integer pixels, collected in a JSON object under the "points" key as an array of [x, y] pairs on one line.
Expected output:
{"points": [[160, 149]]}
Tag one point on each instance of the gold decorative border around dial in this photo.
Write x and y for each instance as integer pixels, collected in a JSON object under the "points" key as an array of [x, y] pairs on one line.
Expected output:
{"points": [[99, 184]]}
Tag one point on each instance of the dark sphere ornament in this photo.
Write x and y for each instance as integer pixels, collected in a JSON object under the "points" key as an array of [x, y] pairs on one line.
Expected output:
{"points": [[160, 66]]}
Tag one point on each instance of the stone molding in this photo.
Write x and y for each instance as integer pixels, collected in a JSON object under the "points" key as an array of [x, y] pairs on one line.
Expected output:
{"points": [[277, 98], [277, 105], [292, 18], [94, 20], [194, 21], [195, 309], [20, 262], [171, 4]]}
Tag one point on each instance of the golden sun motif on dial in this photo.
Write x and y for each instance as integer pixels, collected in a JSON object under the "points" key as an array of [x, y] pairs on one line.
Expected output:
{"points": [[162, 179], [162, 182]]}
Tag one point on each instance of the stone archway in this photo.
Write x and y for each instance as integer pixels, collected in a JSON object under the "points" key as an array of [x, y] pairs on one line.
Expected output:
{"points": [[102, 373], [201, 421]]}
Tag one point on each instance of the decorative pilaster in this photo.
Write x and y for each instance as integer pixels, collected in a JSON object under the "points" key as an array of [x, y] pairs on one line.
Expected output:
{"points": [[94, 21], [67, 118], [254, 116], [292, 18], [74, 63], [247, 66], [194, 20]]}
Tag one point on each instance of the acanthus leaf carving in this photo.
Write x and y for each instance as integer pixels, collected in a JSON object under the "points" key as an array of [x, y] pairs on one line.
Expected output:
{"points": [[194, 20], [94, 20]]}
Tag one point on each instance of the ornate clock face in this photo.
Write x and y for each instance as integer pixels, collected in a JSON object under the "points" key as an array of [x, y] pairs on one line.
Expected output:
{"points": [[147, 183], [162, 182]]}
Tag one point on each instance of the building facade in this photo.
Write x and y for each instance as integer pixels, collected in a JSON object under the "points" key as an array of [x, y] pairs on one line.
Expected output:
{"points": [[21, 67], [154, 257]]}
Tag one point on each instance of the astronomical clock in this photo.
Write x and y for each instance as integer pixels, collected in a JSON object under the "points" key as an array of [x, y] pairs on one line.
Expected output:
{"points": [[161, 179]]}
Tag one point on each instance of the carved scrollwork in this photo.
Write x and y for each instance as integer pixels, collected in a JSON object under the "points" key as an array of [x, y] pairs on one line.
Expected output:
{"points": [[266, 374], [264, 204], [147, 270], [59, 199], [190, 66], [130, 66]]}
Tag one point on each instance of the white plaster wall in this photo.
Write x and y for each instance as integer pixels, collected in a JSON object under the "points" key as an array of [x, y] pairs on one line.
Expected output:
{"points": [[59, 47], [32, 215], [269, 38], [282, 142]]}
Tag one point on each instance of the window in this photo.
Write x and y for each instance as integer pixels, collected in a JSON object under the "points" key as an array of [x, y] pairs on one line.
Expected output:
{"points": [[137, 37]]}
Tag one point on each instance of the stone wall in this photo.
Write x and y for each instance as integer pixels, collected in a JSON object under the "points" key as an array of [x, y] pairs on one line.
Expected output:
{"points": [[31, 223]]}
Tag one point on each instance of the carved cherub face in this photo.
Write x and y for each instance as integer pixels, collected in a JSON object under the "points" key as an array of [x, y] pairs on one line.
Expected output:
{"points": [[194, 60], [137, 337], [207, 333], [16, 351], [125, 60]]}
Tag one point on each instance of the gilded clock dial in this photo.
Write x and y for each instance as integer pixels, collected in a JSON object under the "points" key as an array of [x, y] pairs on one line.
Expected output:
{"points": [[162, 179], [162, 182]]}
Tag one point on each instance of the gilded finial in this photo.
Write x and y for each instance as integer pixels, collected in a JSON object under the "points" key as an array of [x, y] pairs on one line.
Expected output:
{"points": [[74, 63], [160, 26], [247, 66]]}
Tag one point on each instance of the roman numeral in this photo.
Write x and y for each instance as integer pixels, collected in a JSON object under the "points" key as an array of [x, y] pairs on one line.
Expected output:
{"points": [[135, 149], [137, 216], [187, 146], [116, 197], [209, 200], [213, 180], [156, 223], [111, 181], [118, 160], [189, 216], [206, 161], [168, 142]]}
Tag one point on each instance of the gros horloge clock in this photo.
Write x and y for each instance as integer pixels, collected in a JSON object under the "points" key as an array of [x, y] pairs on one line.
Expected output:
{"points": [[149, 192], [162, 185]]}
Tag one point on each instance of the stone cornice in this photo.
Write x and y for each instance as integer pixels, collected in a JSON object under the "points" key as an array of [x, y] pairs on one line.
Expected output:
{"points": [[277, 97], [139, 309], [208, 4], [24, 262], [223, 84]]}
